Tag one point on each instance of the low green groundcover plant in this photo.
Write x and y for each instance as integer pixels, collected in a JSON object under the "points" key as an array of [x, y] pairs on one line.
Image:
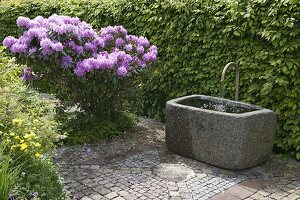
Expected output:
{"points": [[81, 128]]}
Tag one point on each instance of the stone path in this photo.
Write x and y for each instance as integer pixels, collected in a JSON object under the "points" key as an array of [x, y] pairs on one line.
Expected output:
{"points": [[138, 166]]}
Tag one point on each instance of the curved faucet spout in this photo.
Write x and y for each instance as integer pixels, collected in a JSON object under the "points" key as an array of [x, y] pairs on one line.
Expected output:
{"points": [[237, 77]]}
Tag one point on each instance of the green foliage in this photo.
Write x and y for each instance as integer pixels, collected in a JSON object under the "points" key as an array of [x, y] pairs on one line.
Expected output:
{"points": [[9, 174], [42, 177], [99, 95], [82, 128], [196, 40], [23, 110], [28, 130]]}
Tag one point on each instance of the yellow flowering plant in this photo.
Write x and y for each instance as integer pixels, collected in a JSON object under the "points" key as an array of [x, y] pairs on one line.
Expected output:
{"points": [[28, 131], [31, 141], [23, 138]]}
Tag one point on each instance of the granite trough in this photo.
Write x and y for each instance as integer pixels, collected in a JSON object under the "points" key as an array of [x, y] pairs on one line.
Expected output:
{"points": [[220, 132]]}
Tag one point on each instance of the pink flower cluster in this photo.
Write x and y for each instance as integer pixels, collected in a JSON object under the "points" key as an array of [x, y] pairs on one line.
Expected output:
{"points": [[79, 47]]}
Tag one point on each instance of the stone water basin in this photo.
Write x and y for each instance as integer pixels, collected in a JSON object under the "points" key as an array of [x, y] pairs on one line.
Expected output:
{"points": [[220, 132]]}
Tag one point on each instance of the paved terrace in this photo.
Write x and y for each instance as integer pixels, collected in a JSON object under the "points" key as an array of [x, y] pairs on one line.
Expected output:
{"points": [[137, 166]]}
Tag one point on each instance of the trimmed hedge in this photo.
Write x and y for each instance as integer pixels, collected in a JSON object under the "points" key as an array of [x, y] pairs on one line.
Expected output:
{"points": [[196, 39]]}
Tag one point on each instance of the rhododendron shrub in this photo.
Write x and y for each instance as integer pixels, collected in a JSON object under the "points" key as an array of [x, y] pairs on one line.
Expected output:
{"points": [[68, 58]]}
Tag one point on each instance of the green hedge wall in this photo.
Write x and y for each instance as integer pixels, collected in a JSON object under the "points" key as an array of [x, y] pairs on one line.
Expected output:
{"points": [[196, 39]]}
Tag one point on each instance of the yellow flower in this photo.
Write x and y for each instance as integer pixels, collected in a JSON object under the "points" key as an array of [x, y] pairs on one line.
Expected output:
{"points": [[21, 141], [32, 134], [37, 155], [17, 121], [35, 121], [37, 144], [27, 136], [23, 146], [12, 134], [17, 137]]}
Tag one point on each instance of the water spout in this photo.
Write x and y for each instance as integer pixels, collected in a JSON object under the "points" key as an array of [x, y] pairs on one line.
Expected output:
{"points": [[237, 79]]}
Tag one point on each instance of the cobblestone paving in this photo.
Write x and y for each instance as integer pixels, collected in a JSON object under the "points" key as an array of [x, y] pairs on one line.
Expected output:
{"points": [[138, 166]]}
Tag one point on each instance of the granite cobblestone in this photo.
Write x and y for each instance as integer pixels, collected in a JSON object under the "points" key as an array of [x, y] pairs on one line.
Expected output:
{"points": [[140, 168]]}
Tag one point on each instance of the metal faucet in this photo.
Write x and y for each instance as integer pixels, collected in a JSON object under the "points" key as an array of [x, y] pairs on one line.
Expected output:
{"points": [[237, 78]]}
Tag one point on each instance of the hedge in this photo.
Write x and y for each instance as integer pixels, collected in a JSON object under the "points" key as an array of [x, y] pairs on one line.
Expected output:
{"points": [[196, 39]]}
